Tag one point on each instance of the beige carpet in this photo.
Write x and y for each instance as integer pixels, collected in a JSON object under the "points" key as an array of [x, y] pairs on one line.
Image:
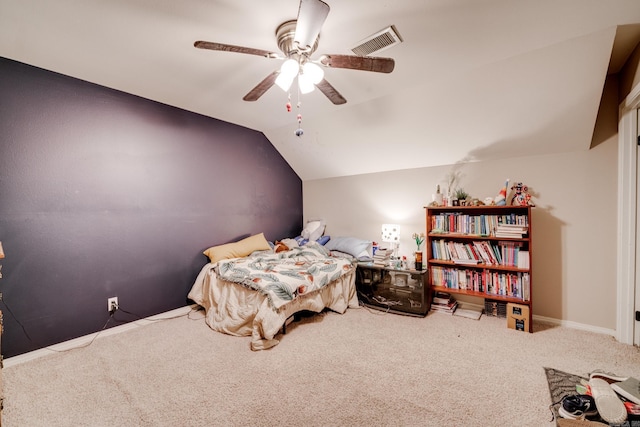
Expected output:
{"points": [[356, 369]]}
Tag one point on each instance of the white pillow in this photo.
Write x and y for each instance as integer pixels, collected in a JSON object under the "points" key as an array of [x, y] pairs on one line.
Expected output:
{"points": [[313, 230], [361, 249]]}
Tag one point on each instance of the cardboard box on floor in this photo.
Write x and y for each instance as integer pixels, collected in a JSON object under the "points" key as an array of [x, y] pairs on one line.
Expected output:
{"points": [[518, 317]]}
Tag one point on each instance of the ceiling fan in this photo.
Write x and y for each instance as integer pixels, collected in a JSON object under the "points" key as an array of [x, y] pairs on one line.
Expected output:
{"points": [[298, 40]]}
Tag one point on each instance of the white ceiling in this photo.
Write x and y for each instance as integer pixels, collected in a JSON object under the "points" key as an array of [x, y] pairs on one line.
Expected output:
{"points": [[474, 79]]}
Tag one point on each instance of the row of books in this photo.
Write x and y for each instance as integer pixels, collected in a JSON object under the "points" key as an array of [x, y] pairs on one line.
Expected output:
{"points": [[506, 253], [514, 285], [479, 225]]}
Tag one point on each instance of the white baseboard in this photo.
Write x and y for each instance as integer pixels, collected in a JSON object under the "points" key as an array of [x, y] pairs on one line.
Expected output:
{"points": [[575, 325], [558, 322], [84, 340]]}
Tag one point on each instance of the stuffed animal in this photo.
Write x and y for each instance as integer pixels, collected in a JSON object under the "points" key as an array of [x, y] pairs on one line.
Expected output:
{"points": [[285, 245], [521, 196], [280, 247]]}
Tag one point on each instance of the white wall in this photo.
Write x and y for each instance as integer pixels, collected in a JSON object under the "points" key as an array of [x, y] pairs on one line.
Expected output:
{"points": [[574, 222]]}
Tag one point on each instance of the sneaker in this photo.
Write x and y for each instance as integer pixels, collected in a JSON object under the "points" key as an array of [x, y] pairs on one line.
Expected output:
{"points": [[577, 407], [610, 378], [610, 407]]}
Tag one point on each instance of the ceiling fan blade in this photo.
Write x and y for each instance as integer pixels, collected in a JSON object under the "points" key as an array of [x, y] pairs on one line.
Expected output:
{"points": [[255, 93], [331, 92], [231, 48], [311, 17], [365, 63]]}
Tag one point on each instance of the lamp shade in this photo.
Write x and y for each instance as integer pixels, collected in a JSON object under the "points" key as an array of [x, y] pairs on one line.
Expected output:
{"points": [[288, 72], [313, 71], [305, 83], [391, 233]]}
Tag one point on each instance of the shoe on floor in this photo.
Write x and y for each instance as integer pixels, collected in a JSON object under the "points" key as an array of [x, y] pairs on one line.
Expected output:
{"points": [[577, 407], [610, 407], [608, 377]]}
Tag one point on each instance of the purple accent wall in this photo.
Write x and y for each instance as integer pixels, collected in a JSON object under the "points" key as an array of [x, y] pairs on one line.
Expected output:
{"points": [[107, 194]]}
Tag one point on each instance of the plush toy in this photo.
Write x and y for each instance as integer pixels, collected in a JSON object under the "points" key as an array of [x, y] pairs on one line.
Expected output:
{"points": [[280, 247], [521, 196], [285, 245]]}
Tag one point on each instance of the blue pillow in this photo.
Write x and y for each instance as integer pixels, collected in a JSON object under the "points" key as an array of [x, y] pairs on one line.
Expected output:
{"points": [[302, 241], [323, 240], [358, 248]]}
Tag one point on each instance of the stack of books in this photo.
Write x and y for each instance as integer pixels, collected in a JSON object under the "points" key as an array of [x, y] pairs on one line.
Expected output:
{"points": [[513, 231], [382, 257], [444, 303]]}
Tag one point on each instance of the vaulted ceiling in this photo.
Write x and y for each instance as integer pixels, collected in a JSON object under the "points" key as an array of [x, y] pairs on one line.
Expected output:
{"points": [[473, 80]]}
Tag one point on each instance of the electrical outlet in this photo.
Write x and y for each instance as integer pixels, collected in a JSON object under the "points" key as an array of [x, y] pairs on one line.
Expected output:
{"points": [[112, 304]]}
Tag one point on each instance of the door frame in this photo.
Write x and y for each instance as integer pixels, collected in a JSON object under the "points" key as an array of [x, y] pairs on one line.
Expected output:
{"points": [[627, 271]]}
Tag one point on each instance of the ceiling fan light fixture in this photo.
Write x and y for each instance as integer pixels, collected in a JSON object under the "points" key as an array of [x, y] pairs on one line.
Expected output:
{"points": [[288, 72], [313, 72], [298, 40], [289, 68], [305, 84], [284, 82]]}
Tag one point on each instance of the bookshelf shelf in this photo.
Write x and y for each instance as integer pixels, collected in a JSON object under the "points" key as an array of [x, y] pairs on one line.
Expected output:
{"points": [[481, 251], [480, 266]]}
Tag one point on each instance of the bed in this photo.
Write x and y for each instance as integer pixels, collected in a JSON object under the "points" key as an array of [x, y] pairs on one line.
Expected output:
{"points": [[251, 290]]}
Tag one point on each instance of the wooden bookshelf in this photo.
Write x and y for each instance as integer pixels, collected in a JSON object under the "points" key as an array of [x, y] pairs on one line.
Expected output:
{"points": [[464, 255]]}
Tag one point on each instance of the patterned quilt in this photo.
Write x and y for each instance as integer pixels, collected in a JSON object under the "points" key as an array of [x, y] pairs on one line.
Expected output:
{"points": [[284, 276]]}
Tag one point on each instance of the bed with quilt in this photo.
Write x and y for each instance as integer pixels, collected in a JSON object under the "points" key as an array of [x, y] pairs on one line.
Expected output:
{"points": [[251, 288]]}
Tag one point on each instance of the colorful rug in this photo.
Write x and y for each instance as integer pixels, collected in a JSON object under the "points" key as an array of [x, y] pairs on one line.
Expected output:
{"points": [[561, 384], [564, 384]]}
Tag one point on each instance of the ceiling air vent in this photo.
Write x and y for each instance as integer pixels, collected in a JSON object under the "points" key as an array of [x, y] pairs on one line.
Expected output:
{"points": [[378, 42]]}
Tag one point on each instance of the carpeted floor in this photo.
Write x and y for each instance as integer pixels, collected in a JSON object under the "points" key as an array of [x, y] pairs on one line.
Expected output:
{"points": [[361, 368]]}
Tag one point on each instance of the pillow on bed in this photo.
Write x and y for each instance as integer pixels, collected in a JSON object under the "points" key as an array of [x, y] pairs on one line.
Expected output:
{"points": [[302, 241], [313, 230], [361, 249], [238, 249]]}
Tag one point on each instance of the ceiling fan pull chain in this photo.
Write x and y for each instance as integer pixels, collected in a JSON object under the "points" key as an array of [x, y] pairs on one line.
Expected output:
{"points": [[289, 102], [299, 132]]}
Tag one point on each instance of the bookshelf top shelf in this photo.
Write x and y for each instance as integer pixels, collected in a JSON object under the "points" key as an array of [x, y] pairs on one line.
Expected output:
{"points": [[483, 208]]}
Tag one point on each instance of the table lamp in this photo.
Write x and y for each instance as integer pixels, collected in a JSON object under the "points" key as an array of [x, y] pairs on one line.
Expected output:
{"points": [[391, 234]]}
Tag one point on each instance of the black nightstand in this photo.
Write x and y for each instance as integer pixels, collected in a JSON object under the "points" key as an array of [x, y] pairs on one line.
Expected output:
{"points": [[394, 290]]}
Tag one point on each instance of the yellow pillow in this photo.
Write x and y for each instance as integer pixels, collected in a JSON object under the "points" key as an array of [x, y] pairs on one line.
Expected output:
{"points": [[238, 249]]}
